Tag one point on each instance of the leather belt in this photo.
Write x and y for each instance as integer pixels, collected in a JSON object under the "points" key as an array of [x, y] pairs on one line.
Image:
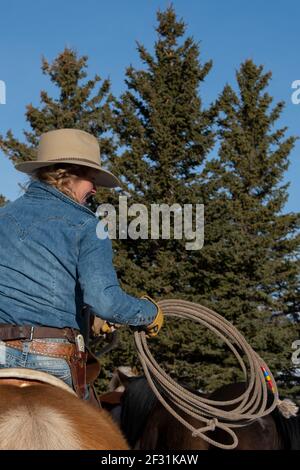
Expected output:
{"points": [[12, 332], [59, 350]]}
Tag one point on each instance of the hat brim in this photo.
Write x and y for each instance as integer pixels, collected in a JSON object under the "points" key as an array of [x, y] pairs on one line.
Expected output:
{"points": [[103, 177]]}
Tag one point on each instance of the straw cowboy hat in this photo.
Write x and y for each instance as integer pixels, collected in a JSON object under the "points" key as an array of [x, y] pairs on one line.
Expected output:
{"points": [[70, 146]]}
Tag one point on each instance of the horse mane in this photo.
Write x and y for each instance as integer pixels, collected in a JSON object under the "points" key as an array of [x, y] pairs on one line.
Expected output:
{"points": [[137, 402]]}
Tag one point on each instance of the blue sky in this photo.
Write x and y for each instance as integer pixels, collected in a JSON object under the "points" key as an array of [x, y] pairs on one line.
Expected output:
{"points": [[228, 31]]}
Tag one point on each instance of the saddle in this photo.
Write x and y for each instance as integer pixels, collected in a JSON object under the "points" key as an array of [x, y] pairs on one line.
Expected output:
{"points": [[22, 377]]}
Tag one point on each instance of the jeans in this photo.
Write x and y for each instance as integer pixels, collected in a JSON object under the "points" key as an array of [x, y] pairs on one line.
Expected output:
{"points": [[10, 357]]}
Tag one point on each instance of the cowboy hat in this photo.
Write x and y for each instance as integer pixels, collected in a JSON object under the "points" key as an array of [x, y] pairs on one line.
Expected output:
{"points": [[70, 146]]}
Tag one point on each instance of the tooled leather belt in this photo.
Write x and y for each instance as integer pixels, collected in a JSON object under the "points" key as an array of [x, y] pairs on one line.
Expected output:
{"points": [[36, 346]]}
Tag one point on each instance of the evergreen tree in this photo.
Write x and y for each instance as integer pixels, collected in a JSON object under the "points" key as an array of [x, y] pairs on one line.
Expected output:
{"points": [[255, 257], [164, 135], [80, 104]]}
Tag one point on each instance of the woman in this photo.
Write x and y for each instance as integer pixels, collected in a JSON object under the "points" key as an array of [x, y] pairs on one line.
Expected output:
{"points": [[52, 263]]}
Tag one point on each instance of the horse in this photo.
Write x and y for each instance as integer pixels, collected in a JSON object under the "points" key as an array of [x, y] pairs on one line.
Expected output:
{"points": [[40, 412], [148, 425]]}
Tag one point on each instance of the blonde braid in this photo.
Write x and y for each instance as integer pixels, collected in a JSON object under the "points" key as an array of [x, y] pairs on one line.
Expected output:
{"points": [[60, 175]]}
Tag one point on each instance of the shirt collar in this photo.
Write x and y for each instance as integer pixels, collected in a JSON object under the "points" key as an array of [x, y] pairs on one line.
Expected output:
{"points": [[39, 187]]}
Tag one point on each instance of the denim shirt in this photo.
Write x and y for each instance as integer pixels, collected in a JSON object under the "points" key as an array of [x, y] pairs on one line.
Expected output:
{"points": [[52, 262]]}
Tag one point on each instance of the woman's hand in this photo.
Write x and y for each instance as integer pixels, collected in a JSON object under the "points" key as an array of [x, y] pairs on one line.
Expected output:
{"points": [[103, 327]]}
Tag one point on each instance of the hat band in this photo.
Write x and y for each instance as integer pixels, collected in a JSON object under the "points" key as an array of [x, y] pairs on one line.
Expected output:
{"points": [[73, 158]]}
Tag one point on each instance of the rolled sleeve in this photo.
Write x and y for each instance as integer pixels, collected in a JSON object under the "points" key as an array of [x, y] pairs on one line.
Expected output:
{"points": [[100, 285]]}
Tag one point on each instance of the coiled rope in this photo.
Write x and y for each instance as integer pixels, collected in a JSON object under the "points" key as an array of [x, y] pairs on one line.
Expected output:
{"points": [[251, 405]]}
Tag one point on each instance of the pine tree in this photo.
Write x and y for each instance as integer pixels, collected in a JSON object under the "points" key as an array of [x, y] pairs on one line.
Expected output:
{"points": [[255, 257], [84, 105], [164, 135]]}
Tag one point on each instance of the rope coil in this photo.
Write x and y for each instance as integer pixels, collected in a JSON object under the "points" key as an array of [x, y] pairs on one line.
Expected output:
{"points": [[249, 406]]}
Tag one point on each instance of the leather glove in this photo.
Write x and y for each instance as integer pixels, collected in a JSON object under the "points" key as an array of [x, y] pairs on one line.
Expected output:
{"points": [[154, 327]]}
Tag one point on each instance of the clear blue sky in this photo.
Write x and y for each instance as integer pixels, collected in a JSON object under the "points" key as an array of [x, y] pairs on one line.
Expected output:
{"points": [[229, 32]]}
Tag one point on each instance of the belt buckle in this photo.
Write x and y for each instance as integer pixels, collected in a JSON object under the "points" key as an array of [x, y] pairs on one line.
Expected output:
{"points": [[22, 333]]}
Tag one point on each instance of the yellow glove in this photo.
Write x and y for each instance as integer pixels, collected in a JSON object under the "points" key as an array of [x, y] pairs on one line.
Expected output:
{"points": [[154, 327], [107, 328]]}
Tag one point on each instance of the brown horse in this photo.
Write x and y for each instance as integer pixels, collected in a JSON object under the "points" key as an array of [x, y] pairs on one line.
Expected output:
{"points": [[148, 425], [40, 412]]}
